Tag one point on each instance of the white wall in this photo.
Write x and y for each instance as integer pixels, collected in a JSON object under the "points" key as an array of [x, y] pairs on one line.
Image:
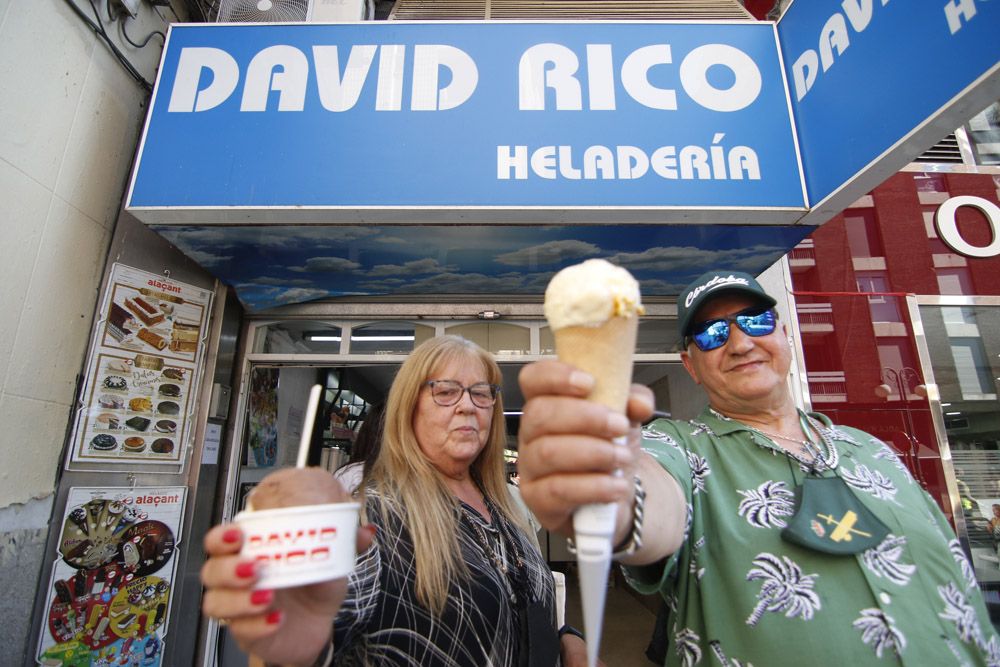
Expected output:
{"points": [[69, 120]]}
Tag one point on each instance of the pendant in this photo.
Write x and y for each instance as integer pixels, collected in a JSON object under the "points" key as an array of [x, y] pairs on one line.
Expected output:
{"points": [[830, 519]]}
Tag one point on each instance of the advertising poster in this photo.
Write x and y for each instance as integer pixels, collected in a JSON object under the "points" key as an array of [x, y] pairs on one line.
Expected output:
{"points": [[139, 394], [263, 418], [111, 586]]}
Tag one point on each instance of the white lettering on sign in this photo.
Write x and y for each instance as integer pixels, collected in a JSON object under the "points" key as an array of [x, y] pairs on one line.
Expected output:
{"points": [[833, 37], [206, 77], [947, 226], [629, 162], [285, 70], [557, 68], [956, 10]]}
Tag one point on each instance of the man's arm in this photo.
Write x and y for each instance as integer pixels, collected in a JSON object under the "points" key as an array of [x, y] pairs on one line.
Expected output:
{"points": [[664, 517]]}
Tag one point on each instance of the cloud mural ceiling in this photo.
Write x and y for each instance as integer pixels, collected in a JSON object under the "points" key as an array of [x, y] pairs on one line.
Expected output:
{"points": [[272, 266]]}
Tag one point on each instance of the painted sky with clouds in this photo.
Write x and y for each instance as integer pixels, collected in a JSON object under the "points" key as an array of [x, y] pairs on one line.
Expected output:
{"points": [[272, 266]]}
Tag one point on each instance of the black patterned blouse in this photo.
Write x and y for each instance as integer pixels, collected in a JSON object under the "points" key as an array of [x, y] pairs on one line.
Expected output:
{"points": [[382, 623]]}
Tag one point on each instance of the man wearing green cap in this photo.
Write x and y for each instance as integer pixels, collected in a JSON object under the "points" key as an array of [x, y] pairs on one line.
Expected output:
{"points": [[775, 537]]}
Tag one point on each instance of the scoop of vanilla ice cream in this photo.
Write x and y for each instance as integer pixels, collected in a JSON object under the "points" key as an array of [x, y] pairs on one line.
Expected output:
{"points": [[589, 294]]}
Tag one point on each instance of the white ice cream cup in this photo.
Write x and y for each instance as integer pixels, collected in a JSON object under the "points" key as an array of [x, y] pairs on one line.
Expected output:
{"points": [[300, 545]]}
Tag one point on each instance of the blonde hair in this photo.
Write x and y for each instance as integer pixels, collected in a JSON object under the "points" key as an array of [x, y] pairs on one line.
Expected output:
{"points": [[405, 480]]}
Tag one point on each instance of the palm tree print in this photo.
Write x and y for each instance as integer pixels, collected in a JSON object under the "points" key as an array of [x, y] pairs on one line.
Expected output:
{"points": [[699, 471], [694, 568], [963, 562], [697, 428], [836, 433], [992, 651], [764, 506], [785, 589], [879, 631], [871, 481], [686, 645], [650, 433], [720, 655], [883, 560], [885, 452], [960, 612]]}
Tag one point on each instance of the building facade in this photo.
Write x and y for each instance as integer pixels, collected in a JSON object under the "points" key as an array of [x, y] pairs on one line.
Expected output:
{"points": [[897, 304], [73, 113]]}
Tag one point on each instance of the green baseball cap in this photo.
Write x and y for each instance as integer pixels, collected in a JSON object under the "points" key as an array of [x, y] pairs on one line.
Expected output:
{"points": [[710, 285]]}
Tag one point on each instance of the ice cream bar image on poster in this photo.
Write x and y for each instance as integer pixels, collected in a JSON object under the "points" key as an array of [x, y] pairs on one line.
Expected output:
{"points": [[593, 309]]}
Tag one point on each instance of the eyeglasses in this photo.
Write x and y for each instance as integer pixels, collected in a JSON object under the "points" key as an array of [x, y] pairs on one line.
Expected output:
{"points": [[448, 392], [712, 334]]}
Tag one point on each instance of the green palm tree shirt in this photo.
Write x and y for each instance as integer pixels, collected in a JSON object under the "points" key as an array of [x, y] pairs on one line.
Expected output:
{"points": [[739, 594]]}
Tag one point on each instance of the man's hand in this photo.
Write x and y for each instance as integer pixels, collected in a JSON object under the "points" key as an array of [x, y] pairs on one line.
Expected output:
{"points": [[565, 454]]}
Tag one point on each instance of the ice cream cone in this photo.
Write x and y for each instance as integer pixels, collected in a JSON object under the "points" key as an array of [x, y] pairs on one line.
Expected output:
{"points": [[605, 352], [593, 310]]}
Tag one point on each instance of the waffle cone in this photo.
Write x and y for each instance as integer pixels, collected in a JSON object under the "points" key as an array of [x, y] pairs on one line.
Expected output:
{"points": [[605, 352]]}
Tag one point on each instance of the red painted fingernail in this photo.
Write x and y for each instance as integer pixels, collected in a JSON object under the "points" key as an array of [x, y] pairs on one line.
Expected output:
{"points": [[246, 570], [273, 618], [231, 536], [262, 597]]}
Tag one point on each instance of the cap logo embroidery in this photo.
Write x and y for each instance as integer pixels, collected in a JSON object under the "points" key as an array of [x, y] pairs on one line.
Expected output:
{"points": [[716, 281]]}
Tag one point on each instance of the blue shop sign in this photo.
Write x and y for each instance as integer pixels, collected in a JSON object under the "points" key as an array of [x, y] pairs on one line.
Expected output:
{"points": [[875, 82], [410, 121]]}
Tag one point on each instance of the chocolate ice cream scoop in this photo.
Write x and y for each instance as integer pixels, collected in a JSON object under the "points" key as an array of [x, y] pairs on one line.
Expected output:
{"points": [[294, 487]]}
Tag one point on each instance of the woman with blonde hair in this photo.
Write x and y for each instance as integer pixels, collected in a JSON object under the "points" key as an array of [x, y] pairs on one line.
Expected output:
{"points": [[453, 576]]}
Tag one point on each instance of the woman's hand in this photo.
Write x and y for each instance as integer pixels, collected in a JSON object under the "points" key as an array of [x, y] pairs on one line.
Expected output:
{"points": [[288, 626], [565, 454], [573, 652]]}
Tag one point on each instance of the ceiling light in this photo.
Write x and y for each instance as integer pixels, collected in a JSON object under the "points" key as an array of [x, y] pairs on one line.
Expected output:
{"points": [[382, 339], [951, 414], [323, 338]]}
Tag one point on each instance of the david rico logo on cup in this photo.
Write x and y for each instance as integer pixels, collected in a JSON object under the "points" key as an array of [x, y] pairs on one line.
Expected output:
{"points": [[284, 546]]}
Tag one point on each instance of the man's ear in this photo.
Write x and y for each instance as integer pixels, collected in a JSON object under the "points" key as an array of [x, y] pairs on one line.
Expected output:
{"points": [[689, 367]]}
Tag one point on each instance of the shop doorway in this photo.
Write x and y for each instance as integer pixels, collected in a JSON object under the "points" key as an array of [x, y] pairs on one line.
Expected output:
{"points": [[271, 415], [276, 394]]}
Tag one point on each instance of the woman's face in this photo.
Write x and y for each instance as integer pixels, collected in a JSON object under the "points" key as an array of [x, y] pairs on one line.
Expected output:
{"points": [[452, 437]]}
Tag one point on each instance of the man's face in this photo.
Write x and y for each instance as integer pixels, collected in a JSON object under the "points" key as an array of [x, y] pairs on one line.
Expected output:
{"points": [[746, 374]]}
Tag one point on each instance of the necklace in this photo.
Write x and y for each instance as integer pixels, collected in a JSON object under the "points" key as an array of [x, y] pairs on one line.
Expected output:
{"points": [[826, 458], [807, 444], [497, 556]]}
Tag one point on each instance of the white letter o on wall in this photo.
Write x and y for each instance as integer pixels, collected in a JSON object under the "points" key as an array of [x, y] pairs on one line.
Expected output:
{"points": [[947, 227]]}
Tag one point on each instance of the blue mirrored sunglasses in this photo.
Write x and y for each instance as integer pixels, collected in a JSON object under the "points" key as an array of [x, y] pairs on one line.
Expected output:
{"points": [[712, 334]]}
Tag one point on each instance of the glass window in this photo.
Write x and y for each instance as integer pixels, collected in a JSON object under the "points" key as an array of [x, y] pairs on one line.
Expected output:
{"points": [[655, 337], [930, 182], [862, 233], [546, 341], [972, 369], [966, 369], [297, 337], [954, 280], [388, 337], [958, 314], [984, 134], [497, 337], [884, 307]]}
